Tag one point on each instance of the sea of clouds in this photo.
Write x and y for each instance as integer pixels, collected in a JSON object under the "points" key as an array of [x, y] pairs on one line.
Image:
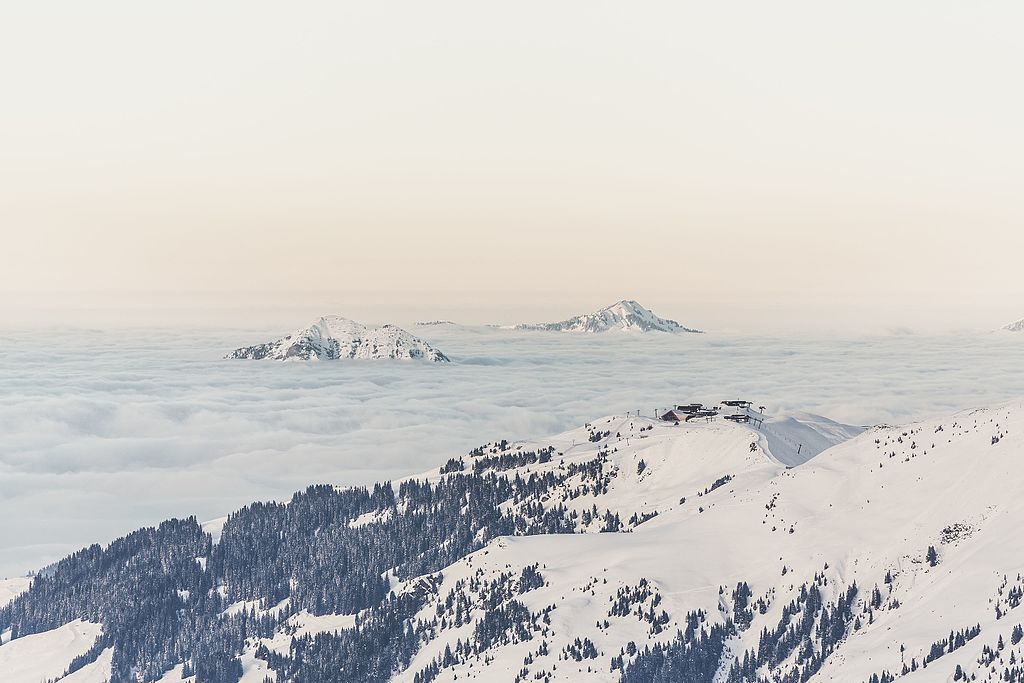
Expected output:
{"points": [[102, 431]]}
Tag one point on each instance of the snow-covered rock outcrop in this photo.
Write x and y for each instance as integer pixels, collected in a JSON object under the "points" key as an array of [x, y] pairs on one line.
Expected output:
{"points": [[624, 316], [1015, 326], [334, 338]]}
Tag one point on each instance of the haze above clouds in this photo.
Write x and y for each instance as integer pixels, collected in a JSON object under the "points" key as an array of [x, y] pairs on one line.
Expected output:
{"points": [[104, 431], [772, 165]]}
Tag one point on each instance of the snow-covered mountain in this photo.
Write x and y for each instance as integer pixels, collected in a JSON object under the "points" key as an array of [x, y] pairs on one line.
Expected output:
{"points": [[628, 550], [333, 337], [625, 316], [1015, 326]]}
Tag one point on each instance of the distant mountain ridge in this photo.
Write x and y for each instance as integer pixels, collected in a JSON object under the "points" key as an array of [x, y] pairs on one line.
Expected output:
{"points": [[625, 316], [333, 337], [1017, 326]]}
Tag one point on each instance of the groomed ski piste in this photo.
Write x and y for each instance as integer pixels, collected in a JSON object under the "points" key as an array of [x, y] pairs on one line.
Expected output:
{"points": [[891, 553]]}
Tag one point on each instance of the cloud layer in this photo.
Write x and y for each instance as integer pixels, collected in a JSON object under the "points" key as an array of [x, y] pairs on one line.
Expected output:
{"points": [[103, 431]]}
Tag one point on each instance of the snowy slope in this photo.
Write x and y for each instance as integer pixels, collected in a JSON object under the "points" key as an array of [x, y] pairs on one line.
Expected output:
{"points": [[12, 588], [624, 316], [795, 438], [864, 509], [858, 511], [916, 525], [333, 338], [97, 671], [46, 656]]}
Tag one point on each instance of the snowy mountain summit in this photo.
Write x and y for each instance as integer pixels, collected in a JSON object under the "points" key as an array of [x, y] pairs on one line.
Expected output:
{"points": [[335, 338], [1016, 326], [624, 316]]}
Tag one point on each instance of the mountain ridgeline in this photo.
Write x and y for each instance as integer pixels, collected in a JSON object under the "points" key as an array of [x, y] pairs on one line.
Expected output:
{"points": [[629, 551], [335, 338], [623, 316]]}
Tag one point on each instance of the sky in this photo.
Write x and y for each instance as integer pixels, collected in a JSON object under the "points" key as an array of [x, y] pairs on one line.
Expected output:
{"points": [[733, 165]]}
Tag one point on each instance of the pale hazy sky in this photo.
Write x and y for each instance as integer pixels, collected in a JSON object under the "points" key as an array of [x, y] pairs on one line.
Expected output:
{"points": [[730, 164]]}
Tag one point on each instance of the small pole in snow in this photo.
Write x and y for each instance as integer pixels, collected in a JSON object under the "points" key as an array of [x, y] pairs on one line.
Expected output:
{"points": [[799, 446]]}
